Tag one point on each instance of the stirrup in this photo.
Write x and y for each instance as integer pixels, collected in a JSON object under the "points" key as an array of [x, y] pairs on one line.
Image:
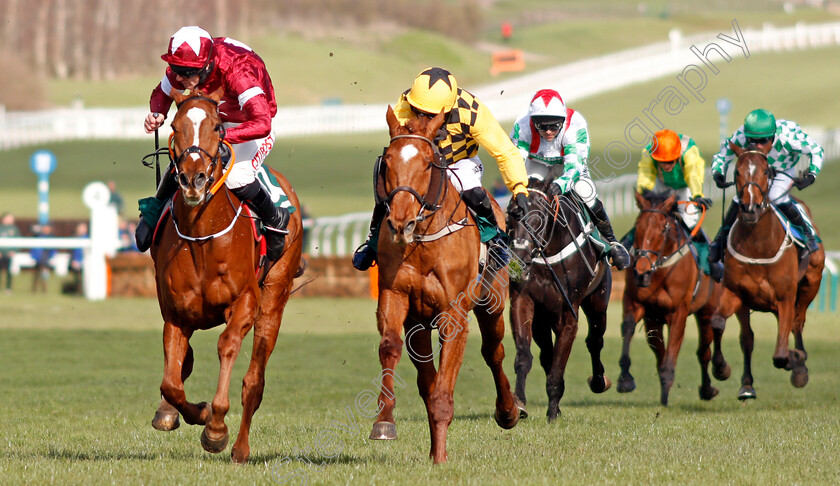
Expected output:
{"points": [[364, 257], [619, 255], [498, 253]]}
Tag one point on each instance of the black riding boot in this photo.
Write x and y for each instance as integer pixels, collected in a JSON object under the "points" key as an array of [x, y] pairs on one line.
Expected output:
{"points": [[365, 255], [477, 200], [717, 246], [274, 219], [146, 229], [619, 255], [715, 268], [795, 217]]}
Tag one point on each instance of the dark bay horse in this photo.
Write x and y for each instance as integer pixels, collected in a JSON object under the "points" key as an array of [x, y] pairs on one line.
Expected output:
{"points": [[206, 261], [553, 239], [429, 278], [664, 286], [764, 271]]}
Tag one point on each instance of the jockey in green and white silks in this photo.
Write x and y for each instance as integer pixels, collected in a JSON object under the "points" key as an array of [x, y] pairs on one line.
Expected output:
{"points": [[788, 145], [550, 134]]}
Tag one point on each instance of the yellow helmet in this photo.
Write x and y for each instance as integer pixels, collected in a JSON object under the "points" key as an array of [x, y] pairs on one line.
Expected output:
{"points": [[433, 90]]}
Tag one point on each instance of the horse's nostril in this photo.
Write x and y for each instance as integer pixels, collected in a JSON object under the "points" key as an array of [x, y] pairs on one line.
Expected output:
{"points": [[200, 180], [182, 180]]}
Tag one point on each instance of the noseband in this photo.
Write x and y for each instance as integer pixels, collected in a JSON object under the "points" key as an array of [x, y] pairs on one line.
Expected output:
{"points": [[430, 203], [769, 172]]}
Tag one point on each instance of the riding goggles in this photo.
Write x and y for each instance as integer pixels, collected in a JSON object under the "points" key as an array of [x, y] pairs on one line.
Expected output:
{"points": [[422, 113], [185, 71], [545, 127], [758, 140]]}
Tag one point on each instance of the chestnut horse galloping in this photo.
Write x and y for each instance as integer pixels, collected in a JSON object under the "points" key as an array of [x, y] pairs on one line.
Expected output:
{"points": [[206, 260], [764, 271], [563, 273], [664, 286], [429, 278]]}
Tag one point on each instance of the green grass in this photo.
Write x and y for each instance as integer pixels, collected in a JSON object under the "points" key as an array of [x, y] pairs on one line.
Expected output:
{"points": [[80, 388]]}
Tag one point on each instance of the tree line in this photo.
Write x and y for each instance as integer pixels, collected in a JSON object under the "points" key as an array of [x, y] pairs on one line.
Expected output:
{"points": [[100, 39]]}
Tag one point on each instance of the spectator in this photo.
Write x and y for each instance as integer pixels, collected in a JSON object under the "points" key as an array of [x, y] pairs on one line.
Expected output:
{"points": [[8, 229], [76, 260], [42, 257], [127, 242], [116, 198]]}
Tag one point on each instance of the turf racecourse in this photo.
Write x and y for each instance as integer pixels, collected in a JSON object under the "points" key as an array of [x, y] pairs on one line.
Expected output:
{"points": [[79, 387]]}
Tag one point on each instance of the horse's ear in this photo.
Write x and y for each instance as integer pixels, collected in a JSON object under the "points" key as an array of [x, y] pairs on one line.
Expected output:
{"points": [[670, 204], [393, 122], [177, 96], [217, 95], [641, 202], [434, 124], [738, 150]]}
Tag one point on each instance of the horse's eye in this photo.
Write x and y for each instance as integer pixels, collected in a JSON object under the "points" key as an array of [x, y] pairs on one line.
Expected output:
{"points": [[218, 127]]}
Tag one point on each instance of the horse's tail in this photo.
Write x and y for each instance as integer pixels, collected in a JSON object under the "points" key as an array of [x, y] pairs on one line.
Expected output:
{"points": [[304, 264]]}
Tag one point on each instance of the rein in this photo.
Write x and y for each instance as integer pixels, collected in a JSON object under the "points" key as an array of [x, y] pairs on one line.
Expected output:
{"points": [[764, 192]]}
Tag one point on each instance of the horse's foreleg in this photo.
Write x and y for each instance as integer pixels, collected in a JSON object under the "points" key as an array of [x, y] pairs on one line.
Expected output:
{"points": [[521, 321], [555, 383], [422, 356], [491, 322], [594, 306], [747, 342], [441, 401], [784, 315], [704, 355], [253, 384], [391, 313], [166, 416], [676, 332], [633, 312], [240, 318], [176, 348]]}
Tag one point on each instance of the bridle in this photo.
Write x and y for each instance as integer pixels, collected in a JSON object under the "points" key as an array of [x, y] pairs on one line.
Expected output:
{"points": [[176, 160], [668, 230], [763, 191], [430, 203]]}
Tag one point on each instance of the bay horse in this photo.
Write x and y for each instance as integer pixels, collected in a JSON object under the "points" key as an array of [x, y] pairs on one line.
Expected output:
{"points": [[764, 271], [563, 272], [429, 278], [206, 260], [663, 286]]}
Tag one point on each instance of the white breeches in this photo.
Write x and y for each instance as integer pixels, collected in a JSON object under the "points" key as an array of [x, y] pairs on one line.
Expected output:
{"points": [[250, 156], [466, 174]]}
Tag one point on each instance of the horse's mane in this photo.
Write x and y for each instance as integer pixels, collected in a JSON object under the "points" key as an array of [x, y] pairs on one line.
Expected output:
{"points": [[657, 198]]}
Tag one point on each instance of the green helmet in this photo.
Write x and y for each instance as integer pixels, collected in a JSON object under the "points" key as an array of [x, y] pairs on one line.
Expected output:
{"points": [[759, 123]]}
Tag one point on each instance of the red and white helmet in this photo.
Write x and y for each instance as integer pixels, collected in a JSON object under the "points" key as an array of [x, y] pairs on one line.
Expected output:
{"points": [[546, 104], [190, 47]]}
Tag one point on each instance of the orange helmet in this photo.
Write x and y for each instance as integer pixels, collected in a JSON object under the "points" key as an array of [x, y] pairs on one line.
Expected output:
{"points": [[666, 146]]}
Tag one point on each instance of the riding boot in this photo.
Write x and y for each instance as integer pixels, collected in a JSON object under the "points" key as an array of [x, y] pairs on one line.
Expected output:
{"points": [[496, 239], [794, 215], [715, 268], [717, 246], [151, 207], [619, 255], [274, 219], [365, 254]]}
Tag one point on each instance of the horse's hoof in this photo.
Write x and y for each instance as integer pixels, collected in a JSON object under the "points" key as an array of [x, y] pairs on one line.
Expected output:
{"points": [[708, 393], [166, 421], [213, 445], [721, 374], [626, 385], [599, 386], [552, 416], [521, 406], [747, 393], [799, 378], [383, 431], [238, 456], [509, 419]]}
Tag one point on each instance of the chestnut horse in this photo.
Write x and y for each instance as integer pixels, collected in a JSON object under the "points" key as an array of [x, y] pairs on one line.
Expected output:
{"points": [[206, 259], [663, 286], [764, 271], [429, 278], [563, 272]]}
